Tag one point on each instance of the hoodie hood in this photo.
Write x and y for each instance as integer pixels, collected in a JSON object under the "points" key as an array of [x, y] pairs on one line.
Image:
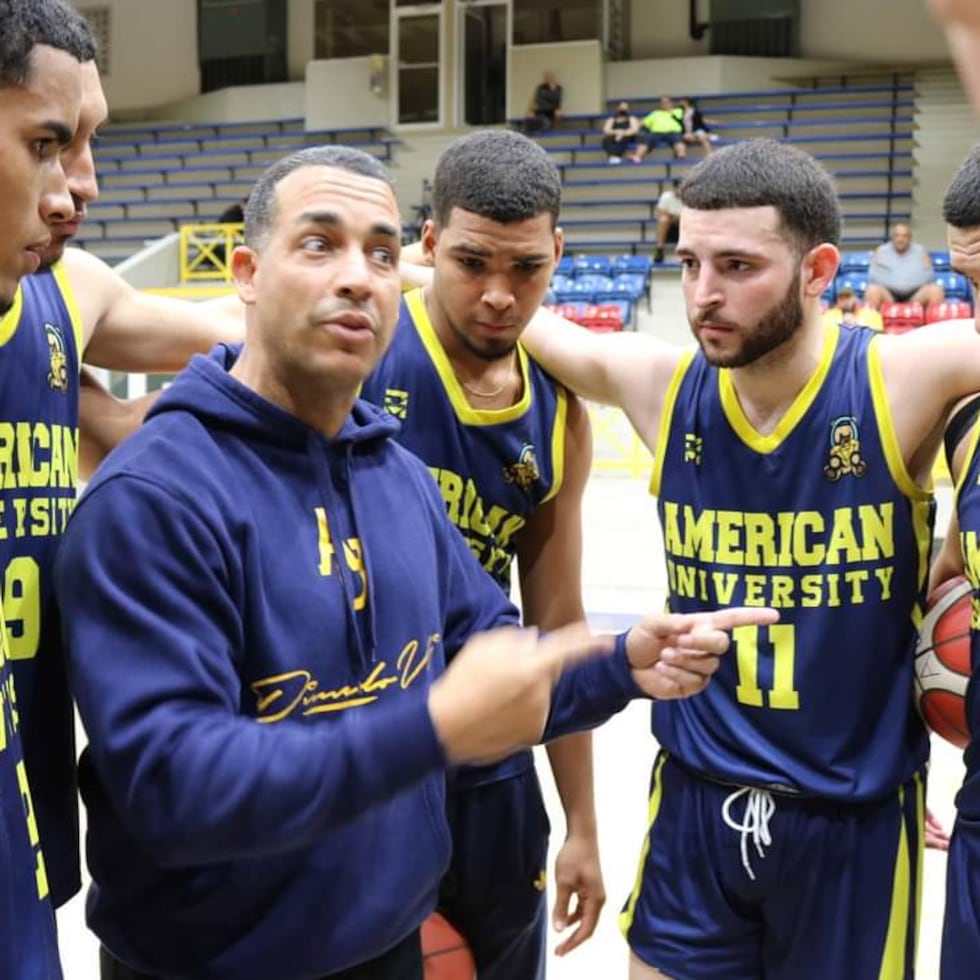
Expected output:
{"points": [[244, 411]]}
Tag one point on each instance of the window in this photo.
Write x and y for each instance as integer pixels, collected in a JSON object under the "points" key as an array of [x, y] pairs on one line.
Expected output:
{"points": [[543, 21], [351, 28], [100, 20]]}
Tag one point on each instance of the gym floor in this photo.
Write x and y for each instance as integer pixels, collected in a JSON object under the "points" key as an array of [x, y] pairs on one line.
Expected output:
{"points": [[623, 578]]}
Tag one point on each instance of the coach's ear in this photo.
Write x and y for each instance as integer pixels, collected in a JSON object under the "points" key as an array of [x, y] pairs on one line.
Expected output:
{"points": [[244, 267], [818, 269], [559, 243]]}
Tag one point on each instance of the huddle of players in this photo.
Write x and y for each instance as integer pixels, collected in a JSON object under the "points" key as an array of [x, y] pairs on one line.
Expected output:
{"points": [[773, 754]]}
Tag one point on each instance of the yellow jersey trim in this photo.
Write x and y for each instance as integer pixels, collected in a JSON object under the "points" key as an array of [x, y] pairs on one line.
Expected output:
{"points": [[896, 939], [886, 430], [666, 415], [559, 434], [656, 797], [920, 825], [71, 304], [11, 319], [743, 427], [971, 449], [454, 390]]}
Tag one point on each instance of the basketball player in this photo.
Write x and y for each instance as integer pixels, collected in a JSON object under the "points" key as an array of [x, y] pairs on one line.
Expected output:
{"points": [[74, 308], [259, 591], [511, 452], [961, 924], [41, 46], [790, 467]]}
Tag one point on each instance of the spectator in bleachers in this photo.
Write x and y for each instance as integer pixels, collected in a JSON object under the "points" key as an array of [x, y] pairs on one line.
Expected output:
{"points": [[901, 271], [619, 133], [545, 109], [848, 309], [668, 216], [696, 128], [664, 125], [234, 214]]}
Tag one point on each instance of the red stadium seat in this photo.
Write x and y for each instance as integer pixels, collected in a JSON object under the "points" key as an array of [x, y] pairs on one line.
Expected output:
{"points": [[602, 318], [948, 309], [901, 317]]}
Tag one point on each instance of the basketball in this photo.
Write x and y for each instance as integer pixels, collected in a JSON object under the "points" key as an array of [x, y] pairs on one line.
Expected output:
{"points": [[444, 951], [942, 660]]}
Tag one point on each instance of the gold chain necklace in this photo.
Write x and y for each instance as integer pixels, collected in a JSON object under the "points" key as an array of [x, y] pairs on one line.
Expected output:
{"points": [[485, 394]]}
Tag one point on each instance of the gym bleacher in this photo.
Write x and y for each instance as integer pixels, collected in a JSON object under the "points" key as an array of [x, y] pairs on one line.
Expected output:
{"points": [[863, 134], [156, 176]]}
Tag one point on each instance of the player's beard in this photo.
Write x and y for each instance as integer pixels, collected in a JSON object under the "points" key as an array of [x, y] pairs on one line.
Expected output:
{"points": [[773, 329], [489, 351]]}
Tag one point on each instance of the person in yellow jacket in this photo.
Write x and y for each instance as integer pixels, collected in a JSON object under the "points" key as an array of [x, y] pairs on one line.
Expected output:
{"points": [[664, 125], [849, 310]]}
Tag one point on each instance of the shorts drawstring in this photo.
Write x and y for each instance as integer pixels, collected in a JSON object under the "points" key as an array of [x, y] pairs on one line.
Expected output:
{"points": [[759, 809]]}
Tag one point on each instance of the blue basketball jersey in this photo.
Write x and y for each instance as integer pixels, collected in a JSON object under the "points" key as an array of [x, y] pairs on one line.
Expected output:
{"points": [[493, 467], [968, 512], [821, 520], [40, 339], [28, 944]]}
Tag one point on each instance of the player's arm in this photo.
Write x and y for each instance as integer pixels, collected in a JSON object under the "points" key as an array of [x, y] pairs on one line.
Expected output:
{"points": [[104, 421], [129, 330], [628, 370], [940, 364], [549, 561]]}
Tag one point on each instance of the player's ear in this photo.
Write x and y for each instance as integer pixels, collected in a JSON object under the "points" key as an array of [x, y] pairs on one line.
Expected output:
{"points": [[559, 244], [818, 268], [244, 265], [430, 234]]}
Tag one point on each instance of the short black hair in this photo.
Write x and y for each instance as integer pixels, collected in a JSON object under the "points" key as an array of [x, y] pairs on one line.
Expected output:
{"points": [[260, 210], [497, 174], [24, 24], [961, 205], [764, 173]]}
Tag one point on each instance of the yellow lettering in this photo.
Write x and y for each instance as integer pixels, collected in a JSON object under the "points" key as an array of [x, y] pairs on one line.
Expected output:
{"points": [[884, 577], [760, 530], [729, 550], [22, 605], [843, 541], [782, 592], [40, 873], [755, 590], [804, 552], [877, 531]]}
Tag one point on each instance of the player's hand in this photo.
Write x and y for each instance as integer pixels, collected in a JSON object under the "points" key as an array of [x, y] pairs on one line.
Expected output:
{"points": [[495, 696], [578, 875], [674, 655], [936, 837]]}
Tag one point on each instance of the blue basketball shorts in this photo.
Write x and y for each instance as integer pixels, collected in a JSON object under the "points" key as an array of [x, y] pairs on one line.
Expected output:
{"points": [[494, 890], [961, 923], [741, 883]]}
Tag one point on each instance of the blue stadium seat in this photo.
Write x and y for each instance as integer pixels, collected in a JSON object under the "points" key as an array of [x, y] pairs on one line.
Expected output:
{"points": [[584, 265], [565, 266], [829, 295], [954, 285], [854, 262], [856, 281], [635, 264], [940, 260], [630, 286]]}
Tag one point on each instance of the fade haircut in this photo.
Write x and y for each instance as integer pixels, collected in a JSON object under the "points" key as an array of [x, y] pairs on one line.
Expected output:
{"points": [[260, 209], [24, 24], [961, 205], [497, 174], [763, 173]]}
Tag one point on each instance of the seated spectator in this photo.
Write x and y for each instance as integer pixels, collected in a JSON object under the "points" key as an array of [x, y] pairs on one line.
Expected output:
{"points": [[850, 311], [545, 109], [696, 128], [664, 125], [668, 215], [234, 214], [901, 271], [619, 132]]}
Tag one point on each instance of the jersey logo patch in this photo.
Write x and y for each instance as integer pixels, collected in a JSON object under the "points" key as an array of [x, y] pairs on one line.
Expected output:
{"points": [[844, 458], [692, 449], [57, 358], [396, 403], [525, 471]]}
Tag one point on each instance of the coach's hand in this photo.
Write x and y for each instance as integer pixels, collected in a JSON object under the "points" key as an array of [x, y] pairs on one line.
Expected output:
{"points": [[674, 655], [496, 694]]}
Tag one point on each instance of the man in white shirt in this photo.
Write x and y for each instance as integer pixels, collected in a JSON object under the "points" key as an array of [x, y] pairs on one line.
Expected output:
{"points": [[668, 214]]}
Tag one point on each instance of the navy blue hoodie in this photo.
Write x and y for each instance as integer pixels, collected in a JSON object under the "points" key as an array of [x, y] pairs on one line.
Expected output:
{"points": [[254, 614]]}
